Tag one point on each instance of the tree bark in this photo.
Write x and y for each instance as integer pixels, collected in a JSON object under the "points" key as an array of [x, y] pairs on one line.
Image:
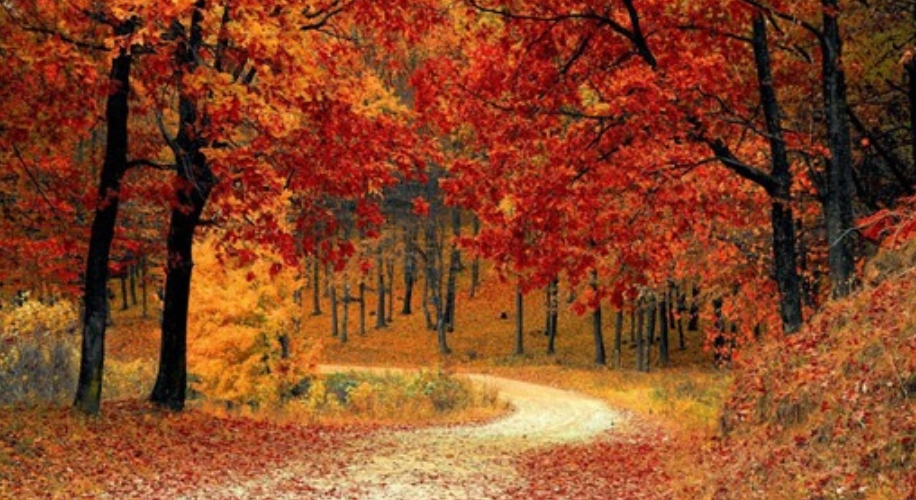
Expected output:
{"points": [[192, 192], [519, 321], [410, 267], [663, 347], [335, 327], [435, 288], [346, 312], [838, 209], [618, 339], [475, 263], [454, 268], [553, 307], [785, 256], [597, 327], [316, 286], [380, 282], [95, 292]]}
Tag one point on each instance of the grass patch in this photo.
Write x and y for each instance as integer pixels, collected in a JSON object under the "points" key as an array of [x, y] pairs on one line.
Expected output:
{"points": [[393, 398]]}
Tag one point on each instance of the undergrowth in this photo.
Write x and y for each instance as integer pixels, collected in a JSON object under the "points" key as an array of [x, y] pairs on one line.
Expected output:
{"points": [[828, 413]]}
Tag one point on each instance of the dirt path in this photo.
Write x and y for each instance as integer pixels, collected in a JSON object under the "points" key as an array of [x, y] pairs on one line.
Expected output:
{"points": [[442, 463]]}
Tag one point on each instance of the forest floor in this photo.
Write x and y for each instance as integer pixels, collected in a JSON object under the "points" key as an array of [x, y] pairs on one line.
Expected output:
{"points": [[554, 444], [471, 461]]}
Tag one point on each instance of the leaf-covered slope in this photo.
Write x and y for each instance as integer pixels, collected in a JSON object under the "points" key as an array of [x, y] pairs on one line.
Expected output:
{"points": [[830, 412]]}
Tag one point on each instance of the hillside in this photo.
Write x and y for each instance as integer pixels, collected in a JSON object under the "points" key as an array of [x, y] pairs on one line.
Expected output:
{"points": [[830, 413]]}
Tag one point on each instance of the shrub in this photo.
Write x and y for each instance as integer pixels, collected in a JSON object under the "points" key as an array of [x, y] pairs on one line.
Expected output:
{"points": [[39, 355]]}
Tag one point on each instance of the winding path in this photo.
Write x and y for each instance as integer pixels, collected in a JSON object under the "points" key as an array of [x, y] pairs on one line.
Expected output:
{"points": [[464, 462]]}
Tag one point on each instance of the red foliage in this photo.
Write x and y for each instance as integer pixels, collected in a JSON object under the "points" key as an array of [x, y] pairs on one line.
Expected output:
{"points": [[628, 464], [134, 451]]}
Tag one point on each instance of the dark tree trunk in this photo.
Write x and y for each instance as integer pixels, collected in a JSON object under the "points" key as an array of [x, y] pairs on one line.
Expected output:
{"points": [[380, 283], [597, 327], [553, 308], [838, 209], [389, 268], [634, 314], [694, 323], [424, 302], [435, 288], [410, 267], [95, 293], [663, 312], [640, 334], [651, 314], [144, 297], [475, 263], [454, 267], [133, 284], [344, 325], [192, 192], [519, 321], [782, 219], [618, 339], [910, 66], [316, 286], [171, 382], [125, 305], [335, 327], [362, 307]]}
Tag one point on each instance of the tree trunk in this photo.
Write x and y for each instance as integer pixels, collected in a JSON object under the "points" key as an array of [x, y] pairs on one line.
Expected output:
{"points": [[346, 312], [651, 314], [694, 323], [410, 267], [335, 327], [133, 284], [144, 292], [475, 264], [380, 282], [362, 307], [663, 312], [95, 292], [618, 339], [192, 192], [316, 286], [553, 307], [838, 209], [389, 267], [910, 65], [640, 334], [782, 219], [435, 288], [454, 268], [519, 321], [597, 327], [124, 304]]}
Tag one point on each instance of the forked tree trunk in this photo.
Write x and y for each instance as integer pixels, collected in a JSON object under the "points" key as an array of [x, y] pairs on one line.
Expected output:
{"points": [[192, 192]]}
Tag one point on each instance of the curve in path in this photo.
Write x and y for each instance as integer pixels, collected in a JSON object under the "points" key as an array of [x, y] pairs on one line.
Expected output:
{"points": [[473, 461]]}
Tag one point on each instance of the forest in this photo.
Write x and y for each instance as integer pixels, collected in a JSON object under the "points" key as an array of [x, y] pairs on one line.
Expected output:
{"points": [[458, 249]]}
